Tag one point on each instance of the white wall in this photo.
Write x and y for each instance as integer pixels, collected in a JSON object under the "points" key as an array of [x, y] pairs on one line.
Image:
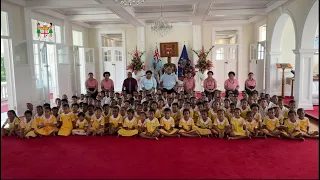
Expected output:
{"points": [[288, 41]]}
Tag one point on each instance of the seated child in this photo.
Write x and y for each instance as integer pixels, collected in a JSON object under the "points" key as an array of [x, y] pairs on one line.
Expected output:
{"points": [[226, 106], [213, 112], [230, 113], [115, 121], [167, 125], [176, 114], [204, 124], [97, 123], [283, 110], [256, 115], [81, 125], [26, 128], [253, 126], [271, 124], [57, 115], [75, 112], [304, 125], [186, 125], [141, 122], [89, 113], [106, 114], [13, 122], [221, 126], [278, 115], [244, 108], [129, 127], [291, 127], [151, 126], [123, 112], [238, 126], [47, 124], [67, 119]]}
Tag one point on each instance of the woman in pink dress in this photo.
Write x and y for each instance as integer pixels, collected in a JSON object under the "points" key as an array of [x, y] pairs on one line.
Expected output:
{"points": [[107, 84], [209, 84], [250, 84], [231, 84], [92, 86]]}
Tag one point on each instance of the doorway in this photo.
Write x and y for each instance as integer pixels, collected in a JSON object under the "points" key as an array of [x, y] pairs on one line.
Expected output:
{"points": [[257, 64]]}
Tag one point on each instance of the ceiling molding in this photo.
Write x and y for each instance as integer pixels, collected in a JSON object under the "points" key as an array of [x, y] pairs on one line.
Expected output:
{"points": [[255, 19], [16, 2], [93, 17], [81, 24], [164, 15], [52, 13], [98, 26], [201, 11], [229, 22], [229, 12], [275, 5]]}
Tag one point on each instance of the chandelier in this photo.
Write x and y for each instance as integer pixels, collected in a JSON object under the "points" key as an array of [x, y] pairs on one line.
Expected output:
{"points": [[130, 2], [161, 27]]}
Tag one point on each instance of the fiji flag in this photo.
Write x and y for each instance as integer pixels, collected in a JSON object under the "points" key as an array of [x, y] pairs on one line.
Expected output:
{"points": [[182, 61]]}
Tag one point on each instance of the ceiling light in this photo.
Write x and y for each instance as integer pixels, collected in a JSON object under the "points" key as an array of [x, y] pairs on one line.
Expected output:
{"points": [[129, 2], [161, 26]]}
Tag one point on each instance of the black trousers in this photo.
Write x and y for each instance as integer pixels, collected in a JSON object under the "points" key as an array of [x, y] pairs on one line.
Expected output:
{"points": [[236, 92], [169, 91], [94, 95], [249, 92]]}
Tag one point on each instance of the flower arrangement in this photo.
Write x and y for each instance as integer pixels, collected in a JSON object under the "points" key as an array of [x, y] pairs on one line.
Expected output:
{"points": [[136, 63], [203, 64]]}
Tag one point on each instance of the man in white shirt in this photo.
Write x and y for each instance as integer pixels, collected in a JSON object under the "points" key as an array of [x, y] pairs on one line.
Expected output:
{"points": [[148, 82], [169, 81]]}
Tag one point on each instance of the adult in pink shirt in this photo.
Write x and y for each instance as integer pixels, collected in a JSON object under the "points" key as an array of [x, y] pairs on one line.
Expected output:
{"points": [[107, 83], [209, 84], [250, 84], [189, 83], [231, 84], [92, 86]]}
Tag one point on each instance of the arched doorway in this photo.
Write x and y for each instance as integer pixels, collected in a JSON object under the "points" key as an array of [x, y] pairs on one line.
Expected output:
{"points": [[283, 42]]}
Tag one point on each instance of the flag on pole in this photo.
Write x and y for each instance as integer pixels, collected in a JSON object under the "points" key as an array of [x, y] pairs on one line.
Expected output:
{"points": [[182, 61], [156, 61]]}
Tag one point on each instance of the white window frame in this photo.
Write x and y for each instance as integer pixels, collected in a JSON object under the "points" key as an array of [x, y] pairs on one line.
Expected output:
{"points": [[220, 54], [81, 37]]}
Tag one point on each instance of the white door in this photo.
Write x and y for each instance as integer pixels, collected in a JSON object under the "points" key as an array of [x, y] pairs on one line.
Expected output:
{"points": [[257, 64], [64, 71], [89, 66], [114, 63], [225, 60]]}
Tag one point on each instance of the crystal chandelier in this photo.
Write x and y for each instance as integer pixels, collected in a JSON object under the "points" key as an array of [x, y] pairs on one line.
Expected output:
{"points": [[130, 2], [161, 27]]}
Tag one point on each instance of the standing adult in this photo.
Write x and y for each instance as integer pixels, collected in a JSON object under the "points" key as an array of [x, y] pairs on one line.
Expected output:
{"points": [[250, 84], [171, 65], [231, 84], [209, 84], [189, 83], [148, 82], [188, 68], [169, 81], [92, 86], [107, 83], [130, 84]]}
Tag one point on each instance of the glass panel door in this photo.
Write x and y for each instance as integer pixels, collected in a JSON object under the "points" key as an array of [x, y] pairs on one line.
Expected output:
{"points": [[45, 72]]}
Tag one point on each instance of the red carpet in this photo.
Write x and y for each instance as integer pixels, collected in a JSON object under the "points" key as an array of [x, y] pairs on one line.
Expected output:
{"points": [[111, 157]]}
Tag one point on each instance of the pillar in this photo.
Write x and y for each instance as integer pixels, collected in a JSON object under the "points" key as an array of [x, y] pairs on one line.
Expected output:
{"points": [[197, 45], [303, 80], [272, 82], [141, 41]]}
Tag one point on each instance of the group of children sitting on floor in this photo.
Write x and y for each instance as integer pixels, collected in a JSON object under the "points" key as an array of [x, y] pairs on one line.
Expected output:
{"points": [[150, 115]]}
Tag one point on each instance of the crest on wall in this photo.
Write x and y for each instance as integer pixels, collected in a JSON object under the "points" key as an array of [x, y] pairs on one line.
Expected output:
{"points": [[45, 30]]}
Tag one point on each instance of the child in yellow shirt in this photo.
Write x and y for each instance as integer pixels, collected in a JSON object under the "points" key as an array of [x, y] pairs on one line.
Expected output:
{"points": [[115, 121], [141, 121], [291, 127], [221, 126], [167, 125], [151, 126], [123, 112], [67, 119], [13, 123], [278, 115], [253, 126], [197, 111], [238, 126], [213, 112], [176, 114], [230, 113], [204, 124], [304, 125], [271, 124], [187, 125], [244, 108], [74, 113], [129, 127], [256, 114], [89, 113], [97, 123], [81, 125], [26, 128]]}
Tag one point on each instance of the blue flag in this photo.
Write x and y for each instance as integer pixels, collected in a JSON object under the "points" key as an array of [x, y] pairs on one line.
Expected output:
{"points": [[182, 61]]}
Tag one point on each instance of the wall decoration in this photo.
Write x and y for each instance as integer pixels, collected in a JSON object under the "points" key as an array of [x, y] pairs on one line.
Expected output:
{"points": [[169, 49]]}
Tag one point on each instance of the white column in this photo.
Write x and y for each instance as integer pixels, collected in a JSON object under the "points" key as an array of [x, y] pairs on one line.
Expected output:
{"points": [[272, 73], [197, 45], [141, 40], [303, 79]]}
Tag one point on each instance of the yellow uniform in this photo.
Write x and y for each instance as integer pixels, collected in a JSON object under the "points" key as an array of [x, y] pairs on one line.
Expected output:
{"points": [[159, 113], [97, 123], [88, 116], [106, 116], [75, 116], [67, 124], [80, 126], [221, 125], [304, 124], [196, 115], [151, 125], [252, 126], [46, 130], [27, 126], [257, 117], [60, 111], [284, 112], [243, 113], [212, 114], [131, 124], [229, 115], [281, 119], [176, 116], [203, 127], [116, 122], [237, 124], [166, 125], [186, 126], [271, 124], [191, 112], [293, 127], [11, 125]]}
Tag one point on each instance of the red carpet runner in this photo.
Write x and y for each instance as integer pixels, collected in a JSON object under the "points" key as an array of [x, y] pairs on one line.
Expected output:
{"points": [[111, 157]]}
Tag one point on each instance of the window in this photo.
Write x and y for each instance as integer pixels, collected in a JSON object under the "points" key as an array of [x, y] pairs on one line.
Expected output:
{"points": [[261, 51], [232, 53], [111, 40], [37, 65], [220, 54], [263, 32], [4, 24], [77, 38], [57, 34]]}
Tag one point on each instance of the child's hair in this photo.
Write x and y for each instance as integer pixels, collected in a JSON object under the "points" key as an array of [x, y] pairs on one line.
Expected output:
{"points": [[205, 111], [142, 112], [75, 104], [47, 108], [54, 108], [292, 101], [242, 100], [276, 107], [105, 105], [40, 107], [186, 110], [219, 110], [152, 111], [249, 113], [199, 103], [98, 108], [14, 113], [28, 112], [292, 112], [280, 99], [46, 105], [81, 114], [66, 105], [232, 104], [64, 100], [115, 108], [167, 110], [300, 110], [130, 111], [91, 105], [145, 102], [270, 109], [255, 92], [74, 97], [237, 109], [254, 105], [85, 104], [226, 100], [174, 104]]}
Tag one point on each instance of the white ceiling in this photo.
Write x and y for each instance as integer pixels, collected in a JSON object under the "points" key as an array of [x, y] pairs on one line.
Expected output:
{"points": [[93, 13]]}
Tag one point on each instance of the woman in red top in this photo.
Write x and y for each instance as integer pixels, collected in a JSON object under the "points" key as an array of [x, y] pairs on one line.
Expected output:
{"points": [[250, 84], [92, 86], [231, 84]]}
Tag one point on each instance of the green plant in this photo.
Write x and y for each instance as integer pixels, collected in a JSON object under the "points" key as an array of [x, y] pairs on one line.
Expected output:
{"points": [[3, 71]]}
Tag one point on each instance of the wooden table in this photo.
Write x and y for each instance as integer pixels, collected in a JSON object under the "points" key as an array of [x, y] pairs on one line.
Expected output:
{"points": [[315, 78]]}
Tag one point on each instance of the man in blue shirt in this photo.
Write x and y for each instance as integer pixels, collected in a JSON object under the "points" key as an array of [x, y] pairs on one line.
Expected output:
{"points": [[169, 81]]}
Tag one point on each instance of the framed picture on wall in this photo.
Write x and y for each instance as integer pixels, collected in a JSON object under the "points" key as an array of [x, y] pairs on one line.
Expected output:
{"points": [[169, 49]]}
